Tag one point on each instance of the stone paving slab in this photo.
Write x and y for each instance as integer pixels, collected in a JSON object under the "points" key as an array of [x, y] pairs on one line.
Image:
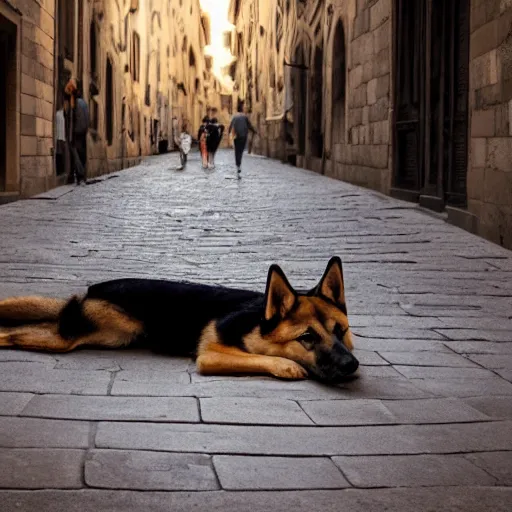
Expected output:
{"points": [[376, 412], [277, 473], [111, 469], [41, 469], [462, 388], [427, 359], [438, 499], [499, 407], [38, 378], [425, 301], [159, 409], [261, 387], [373, 440], [11, 404], [497, 464], [255, 411], [116, 360], [38, 433], [412, 471]]}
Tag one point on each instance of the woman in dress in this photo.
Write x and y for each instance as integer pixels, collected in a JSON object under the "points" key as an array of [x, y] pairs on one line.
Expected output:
{"points": [[202, 137]]}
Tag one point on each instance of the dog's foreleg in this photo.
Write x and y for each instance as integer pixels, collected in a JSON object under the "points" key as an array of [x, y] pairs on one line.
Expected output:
{"points": [[219, 359]]}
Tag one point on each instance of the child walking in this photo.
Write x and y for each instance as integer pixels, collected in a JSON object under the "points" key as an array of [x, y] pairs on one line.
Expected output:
{"points": [[185, 143]]}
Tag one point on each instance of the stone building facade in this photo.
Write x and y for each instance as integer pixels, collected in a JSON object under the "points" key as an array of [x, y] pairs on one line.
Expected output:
{"points": [[140, 64], [409, 98], [27, 32]]}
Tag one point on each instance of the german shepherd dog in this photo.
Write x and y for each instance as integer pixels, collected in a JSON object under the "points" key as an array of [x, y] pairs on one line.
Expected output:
{"points": [[283, 333]]}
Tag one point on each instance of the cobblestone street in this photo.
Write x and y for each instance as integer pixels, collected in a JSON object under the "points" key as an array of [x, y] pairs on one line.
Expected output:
{"points": [[427, 426]]}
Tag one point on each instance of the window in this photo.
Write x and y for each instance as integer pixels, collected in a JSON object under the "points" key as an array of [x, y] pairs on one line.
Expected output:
{"points": [[135, 57], [67, 29], [93, 49], [109, 103]]}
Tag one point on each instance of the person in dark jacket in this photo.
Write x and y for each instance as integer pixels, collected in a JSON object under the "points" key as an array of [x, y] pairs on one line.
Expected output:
{"points": [[240, 127], [215, 133]]}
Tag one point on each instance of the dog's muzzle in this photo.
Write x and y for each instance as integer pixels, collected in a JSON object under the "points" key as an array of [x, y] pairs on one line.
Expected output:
{"points": [[335, 365]]}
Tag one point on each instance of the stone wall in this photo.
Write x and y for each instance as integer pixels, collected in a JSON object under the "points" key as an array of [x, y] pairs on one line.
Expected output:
{"points": [[358, 139], [33, 171], [490, 163]]}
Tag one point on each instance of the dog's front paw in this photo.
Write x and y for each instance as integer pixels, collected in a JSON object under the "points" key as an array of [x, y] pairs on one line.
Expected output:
{"points": [[287, 369]]}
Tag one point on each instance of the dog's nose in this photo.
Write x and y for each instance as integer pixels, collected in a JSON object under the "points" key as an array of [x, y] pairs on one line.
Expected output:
{"points": [[349, 364]]}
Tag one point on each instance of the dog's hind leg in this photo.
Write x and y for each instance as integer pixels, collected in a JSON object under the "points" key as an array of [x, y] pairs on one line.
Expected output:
{"points": [[108, 327], [43, 337], [22, 310]]}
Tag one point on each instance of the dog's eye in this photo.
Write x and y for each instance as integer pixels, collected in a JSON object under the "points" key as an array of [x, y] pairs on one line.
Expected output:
{"points": [[308, 339]]}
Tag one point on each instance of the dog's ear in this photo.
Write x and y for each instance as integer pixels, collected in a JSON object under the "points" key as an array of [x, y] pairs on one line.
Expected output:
{"points": [[331, 285], [280, 297]]}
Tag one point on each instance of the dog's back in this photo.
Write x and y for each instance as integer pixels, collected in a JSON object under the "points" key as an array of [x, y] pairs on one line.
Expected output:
{"points": [[173, 313]]}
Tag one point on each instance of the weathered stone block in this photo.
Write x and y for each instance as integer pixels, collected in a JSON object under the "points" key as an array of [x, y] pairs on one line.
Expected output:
{"points": [[498, 187], [11, 404], [483, 123], [149, 471], [256, 411], [356, 77], [488, 96], [361, 23], [36, 433], [28, 145], [484, 39], [412, 471], [372, 91], [478, 152], [502, 120], [172, 409], [380, 132], [382, 37], [380, 110], [348, 412], [484, 70], [41, 469], [277, 473], [382, 64], [402, 439], [355, 116], [475, 182], [499, 153], [379, 13], [358, 97], [28, 105]]}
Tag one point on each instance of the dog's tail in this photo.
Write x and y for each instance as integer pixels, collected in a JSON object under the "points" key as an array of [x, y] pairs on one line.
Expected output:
{"points": [[19, 311]]}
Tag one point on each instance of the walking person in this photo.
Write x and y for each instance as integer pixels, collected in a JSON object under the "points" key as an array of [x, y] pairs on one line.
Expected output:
{"points": [[215, 133], [60, 135], [202, 137], [240, 127], [185, 143], [77, 120]]}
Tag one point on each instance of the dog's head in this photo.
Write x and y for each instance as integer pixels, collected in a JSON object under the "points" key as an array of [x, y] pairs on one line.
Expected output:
{"points": [[310, 328]]}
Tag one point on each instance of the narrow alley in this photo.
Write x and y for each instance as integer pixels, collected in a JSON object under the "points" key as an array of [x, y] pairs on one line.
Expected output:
{"points": [[427, 425]]}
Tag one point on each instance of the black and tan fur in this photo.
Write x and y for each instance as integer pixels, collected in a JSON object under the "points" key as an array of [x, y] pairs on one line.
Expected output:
{"points": [[281, 332]]}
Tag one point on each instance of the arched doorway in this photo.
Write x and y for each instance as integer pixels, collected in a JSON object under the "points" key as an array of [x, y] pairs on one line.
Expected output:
{"points": [[339, 67]]}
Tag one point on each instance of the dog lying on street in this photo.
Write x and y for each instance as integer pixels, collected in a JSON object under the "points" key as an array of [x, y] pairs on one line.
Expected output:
{"points": [[282, 332]]}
